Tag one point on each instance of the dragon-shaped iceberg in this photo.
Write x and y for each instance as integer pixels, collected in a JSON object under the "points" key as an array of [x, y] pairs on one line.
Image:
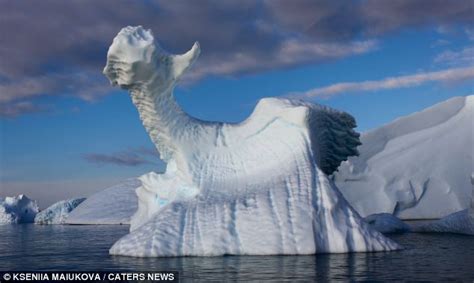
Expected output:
{"points": [[256, 187]]}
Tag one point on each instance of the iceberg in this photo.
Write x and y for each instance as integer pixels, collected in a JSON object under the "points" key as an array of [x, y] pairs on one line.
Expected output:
{"points": [[259, 187], [16, 210], [114, 205], [387, 223], [416, 167], [58, 212]]}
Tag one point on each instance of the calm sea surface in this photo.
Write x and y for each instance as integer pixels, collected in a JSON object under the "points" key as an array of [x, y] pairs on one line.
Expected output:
{"points": [[437, 257]]}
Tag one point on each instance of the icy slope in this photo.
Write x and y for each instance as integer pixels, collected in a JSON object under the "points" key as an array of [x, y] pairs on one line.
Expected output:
{"points": [[257, 187], [417, 167], [58, 212], [387, 223], [15, 210], [114, 205]]}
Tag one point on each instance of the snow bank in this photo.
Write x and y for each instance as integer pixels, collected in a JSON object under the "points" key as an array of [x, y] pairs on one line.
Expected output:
{"points": [[387, 223], [15, 210], [58, 212], [257, 187], [114, 205], [417, 167]]}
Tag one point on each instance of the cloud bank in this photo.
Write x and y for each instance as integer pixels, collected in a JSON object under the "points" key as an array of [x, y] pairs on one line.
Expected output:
{"points": [[444, 76], [55, 47]]}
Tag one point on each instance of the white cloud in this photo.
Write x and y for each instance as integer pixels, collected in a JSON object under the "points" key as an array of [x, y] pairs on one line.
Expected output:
{"points": [[446, 76]]}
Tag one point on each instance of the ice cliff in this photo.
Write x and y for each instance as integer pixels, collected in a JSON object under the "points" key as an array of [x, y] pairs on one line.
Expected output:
{"points": [[417, 167], [58, 212], [114, 205], [16, 210], [256, 187]]}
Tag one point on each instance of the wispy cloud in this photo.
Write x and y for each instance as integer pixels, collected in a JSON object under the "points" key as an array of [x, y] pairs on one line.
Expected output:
{"points": [[63, 54], [130, 157], [444, 76], [462, 57], [22, 107]]}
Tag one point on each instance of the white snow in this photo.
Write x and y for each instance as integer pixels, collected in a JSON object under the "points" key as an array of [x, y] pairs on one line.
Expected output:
{"points": [[114, 205], [16, 210], [417, 167], [387, 223], [257, 187], [58, 212]]}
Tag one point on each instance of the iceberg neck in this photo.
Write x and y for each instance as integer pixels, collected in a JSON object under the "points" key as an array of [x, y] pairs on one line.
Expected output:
{"points": [[161, 116]]}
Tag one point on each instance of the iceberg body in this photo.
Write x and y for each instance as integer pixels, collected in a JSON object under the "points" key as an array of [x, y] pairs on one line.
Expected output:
{"points": [[387, 223], [16, 210], [58, 212], [257, 187], [417, 167], [114, 205]]}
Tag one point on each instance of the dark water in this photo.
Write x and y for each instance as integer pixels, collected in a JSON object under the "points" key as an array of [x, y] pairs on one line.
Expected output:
{"points": [[439, 257]]}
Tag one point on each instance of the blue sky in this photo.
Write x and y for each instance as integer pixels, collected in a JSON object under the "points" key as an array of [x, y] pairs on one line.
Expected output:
{"points": [[64, 132]]}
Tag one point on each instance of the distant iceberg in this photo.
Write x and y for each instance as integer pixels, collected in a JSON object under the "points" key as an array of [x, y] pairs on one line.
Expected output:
{"points": [[114, 205], [16, 210], [416, 167], [387, 223], [259, 187], [58, 212]]}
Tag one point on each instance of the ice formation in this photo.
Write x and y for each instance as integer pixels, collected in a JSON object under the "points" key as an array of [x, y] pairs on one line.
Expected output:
{"points": [[416, 167], [387, 223], [58, 212], [256, 187], [16, 210], [114, 205], [461, 222]]}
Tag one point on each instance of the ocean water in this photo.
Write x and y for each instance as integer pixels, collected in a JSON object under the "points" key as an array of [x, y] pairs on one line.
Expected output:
{"points": [[439, 257]]}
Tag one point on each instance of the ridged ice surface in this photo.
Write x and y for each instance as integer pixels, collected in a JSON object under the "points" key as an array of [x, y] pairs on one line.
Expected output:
{"points": [[58, 212], [417, 167], [257, 187]]}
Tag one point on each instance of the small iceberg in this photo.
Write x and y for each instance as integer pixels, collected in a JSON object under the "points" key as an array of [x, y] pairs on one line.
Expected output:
{"points": [[17, 210]]}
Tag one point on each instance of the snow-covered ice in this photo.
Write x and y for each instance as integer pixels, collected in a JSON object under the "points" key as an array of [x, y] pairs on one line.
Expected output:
{"points": [[16, 210], [417, 167], [58, 212], [256, 187], [387, 223], [114, 205]]}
